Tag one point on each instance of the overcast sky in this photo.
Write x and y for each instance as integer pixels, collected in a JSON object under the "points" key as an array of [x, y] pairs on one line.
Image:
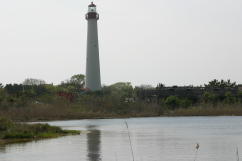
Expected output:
{"points": [[176, 42]]}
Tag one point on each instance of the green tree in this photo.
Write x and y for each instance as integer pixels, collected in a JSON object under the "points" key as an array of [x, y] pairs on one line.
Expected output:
{"points": [[220, 84], [229, 98], [160, 86], [173, 102], [185, 103], [121, 89], [14, 89], [209, 97], [78, 79], [240, 96], [74, 84], [2, 95], [5, 124]]}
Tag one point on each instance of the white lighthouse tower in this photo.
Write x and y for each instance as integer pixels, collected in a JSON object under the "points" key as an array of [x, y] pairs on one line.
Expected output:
{"points": [[93, 80]]}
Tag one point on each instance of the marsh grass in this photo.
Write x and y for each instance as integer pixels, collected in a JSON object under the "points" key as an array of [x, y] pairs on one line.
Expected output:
{"points": [[66, 111], [130, 143], [17, 132], [237, 153], [209, 110]]}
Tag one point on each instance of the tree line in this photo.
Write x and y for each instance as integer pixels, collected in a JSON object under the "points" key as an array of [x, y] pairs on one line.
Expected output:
{"points": [[117, 99]]}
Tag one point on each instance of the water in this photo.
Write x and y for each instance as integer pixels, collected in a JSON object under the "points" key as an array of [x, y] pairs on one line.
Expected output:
{"points": [[153, 139]]}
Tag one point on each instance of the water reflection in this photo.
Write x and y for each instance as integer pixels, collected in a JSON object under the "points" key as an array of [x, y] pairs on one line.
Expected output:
{"points": [[93, 143], [2, 149], [153, 139]]}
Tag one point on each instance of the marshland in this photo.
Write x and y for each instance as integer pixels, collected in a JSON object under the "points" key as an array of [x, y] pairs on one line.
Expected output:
{"points": [[152, 139], [130, 130], [35, 100]]}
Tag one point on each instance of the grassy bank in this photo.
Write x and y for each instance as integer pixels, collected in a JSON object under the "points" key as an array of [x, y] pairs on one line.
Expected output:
{"points": [[79, 111], [11, 132], [209, 110]]}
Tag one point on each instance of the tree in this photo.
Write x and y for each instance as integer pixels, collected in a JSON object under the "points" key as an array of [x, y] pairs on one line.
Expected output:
{"points": [[74, 84], [173, 102], [121, 86], [185, 102], [209, 97], [32, 81], [1, 93], [240, 96], [160, 86], [119, 90], [78, 79], [229, 98], [220, 84], [14, 89]]}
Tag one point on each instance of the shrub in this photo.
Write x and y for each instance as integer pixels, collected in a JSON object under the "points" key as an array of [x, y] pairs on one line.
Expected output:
{"points": [[209, 97], [18, 135], [240, 96], [5, 124], [185, 103], [173, 102], [229, 98], [42, 128]]}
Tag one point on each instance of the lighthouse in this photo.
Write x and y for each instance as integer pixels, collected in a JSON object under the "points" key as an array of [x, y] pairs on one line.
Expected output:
{"points": [[93, 79]]}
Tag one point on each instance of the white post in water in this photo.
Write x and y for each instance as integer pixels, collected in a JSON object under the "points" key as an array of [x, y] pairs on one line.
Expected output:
{"points": [[93, 80]]}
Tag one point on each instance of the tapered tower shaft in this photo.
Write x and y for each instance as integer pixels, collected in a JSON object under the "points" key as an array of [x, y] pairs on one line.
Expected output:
{"points": [[93, 79]]}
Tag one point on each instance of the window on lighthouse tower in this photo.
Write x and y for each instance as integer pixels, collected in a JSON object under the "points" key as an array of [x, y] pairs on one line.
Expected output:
{"points": [[92, 9]]}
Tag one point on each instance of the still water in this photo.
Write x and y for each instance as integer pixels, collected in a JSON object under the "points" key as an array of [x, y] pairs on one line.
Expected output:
{"points": [[152, 139]]}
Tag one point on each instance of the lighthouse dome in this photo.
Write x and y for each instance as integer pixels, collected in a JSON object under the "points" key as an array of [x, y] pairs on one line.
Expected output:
{"points": [[92, 12], [92, 7]]}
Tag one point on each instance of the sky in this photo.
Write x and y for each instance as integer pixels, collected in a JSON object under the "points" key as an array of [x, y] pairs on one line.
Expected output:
{"points": [[174, 42]]}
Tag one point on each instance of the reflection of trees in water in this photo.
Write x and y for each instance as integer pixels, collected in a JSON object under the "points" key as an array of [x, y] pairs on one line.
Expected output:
{"points": [[2, 149], [93, 141]]}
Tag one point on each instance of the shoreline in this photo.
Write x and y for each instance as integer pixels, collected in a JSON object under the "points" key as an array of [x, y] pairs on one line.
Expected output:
{"points": [[69, 112], [25, 140], [15, 141], [205, 112], [124, 117]]}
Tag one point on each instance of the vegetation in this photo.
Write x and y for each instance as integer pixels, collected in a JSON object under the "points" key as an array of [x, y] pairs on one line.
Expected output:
{"points": [[35, 100], [11, 132]]}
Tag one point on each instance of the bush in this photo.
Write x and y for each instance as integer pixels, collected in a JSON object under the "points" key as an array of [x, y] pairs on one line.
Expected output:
{"points": [[185, 103], [209, 97], [18, 135], [240, 97], [229, 98], [5, 124], [43, 128], [173, 102]]}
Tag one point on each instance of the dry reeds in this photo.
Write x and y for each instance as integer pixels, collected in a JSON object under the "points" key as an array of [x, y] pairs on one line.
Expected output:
{"points": [[237, 153], [130, 143], [209, 110]]}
